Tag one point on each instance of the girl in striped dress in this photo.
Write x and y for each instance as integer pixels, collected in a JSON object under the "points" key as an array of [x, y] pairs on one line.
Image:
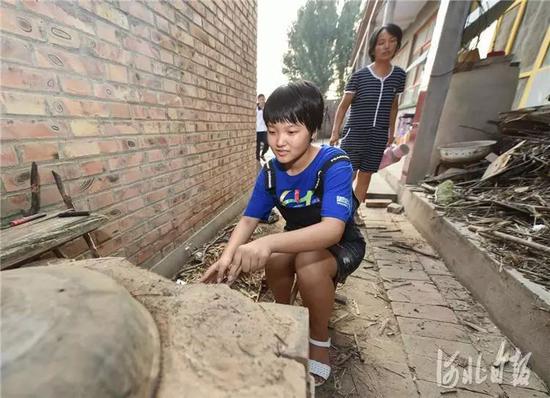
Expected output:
{"points": [[372, 94]]}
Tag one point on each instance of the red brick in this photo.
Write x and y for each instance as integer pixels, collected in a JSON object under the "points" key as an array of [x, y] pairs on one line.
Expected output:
{"points": [[15, 50], [131, 175], [157, 113], [112, 92], [106, 232], [157, 195], [84, 128], [71, 107], [76, 86], [163, 40], [147, 96], [16, 180], [101, 200], [109, 146], [92, 167], [163, 9], [107, 51], [48, 57], [77, 149], [162, 23], [94, 108], [63, 12], [49, 195], [63, 36], [21, 129], [140, 29], [8, 157], [13, 204], [36, 152], [21, 24], [140, 46], [105, 10], [23, 104], [75, 248], [128, 192], [107, 32], [124, 161], [137, 10], [117, 73], [120, 111], [142, 62], [166, 56], [119, 129], [134, 204], [24, 78]]}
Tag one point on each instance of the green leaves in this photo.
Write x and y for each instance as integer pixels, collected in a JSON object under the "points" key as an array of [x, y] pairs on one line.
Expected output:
{"points": [[320, 43]]}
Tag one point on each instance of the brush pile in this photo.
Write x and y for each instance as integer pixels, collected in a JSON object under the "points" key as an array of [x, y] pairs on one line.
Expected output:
{"points": [[507, 202]]}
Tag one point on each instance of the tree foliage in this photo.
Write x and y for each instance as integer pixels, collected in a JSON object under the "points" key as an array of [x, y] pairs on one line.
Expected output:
{"points": [[344, 41], [320, 42]]}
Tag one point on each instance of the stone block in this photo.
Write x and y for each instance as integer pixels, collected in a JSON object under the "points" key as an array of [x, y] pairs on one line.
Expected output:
{"points": [[394, 208]]}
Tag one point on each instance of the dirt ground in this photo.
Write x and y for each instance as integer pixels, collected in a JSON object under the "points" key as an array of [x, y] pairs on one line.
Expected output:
{"points": [[400, 308]]}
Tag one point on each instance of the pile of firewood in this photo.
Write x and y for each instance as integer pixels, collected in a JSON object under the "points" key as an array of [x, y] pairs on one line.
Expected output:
{"points": [[508, 201]]}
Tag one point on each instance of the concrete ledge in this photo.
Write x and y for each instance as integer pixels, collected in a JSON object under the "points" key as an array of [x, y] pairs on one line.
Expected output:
{"points": [[519, 307], [169, 265]]}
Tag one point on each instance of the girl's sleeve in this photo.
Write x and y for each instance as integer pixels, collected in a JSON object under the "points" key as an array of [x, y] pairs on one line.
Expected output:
{"points": [[402, 80], [337, 199], [261, 202], [351, 85]]}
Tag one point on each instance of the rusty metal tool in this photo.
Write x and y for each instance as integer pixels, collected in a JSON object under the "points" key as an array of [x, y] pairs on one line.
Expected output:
{"points": [[70, 205], [35, 192]]}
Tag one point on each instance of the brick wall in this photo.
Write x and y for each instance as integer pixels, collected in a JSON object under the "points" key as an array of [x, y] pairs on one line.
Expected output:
{"points": [[145, 108]]}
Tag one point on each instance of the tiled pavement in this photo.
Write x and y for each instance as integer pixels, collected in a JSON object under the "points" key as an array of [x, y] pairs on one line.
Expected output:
{"points": [[402, 308]]}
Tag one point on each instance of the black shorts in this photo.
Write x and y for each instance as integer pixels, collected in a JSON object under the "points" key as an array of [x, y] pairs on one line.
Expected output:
{"points": [[348, 255]]}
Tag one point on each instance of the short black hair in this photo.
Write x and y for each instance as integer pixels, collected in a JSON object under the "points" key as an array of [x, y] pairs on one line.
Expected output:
{"points": [[298, 102], [392, 29], [260, 95]]}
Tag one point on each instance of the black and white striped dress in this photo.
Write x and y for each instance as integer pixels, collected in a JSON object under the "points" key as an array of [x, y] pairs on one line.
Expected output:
{"points": [[366, 132]]}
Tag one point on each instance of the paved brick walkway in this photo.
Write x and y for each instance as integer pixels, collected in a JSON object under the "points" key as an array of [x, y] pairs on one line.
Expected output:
{"points": [[402, 308]]}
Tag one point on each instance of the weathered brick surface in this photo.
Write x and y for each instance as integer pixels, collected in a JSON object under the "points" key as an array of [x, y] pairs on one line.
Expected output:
{"points": [[146, 109]]}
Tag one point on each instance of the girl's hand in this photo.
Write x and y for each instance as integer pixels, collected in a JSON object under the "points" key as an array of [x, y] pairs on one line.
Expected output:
{"points": [[216, 272], [334, 137], [250, 257]]}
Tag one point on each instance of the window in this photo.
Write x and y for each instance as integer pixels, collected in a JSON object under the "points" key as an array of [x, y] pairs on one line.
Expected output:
{"points": [[505, 28], [519, 92], [415, 68], [524, 31], [530, 34], [402, 57], [537, 88]]}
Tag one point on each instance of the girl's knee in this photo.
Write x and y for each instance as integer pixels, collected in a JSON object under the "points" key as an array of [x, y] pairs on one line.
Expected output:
{"points": [[314, 265]]}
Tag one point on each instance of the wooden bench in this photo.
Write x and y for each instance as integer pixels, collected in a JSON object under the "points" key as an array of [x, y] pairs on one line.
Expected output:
{"points": [[24, 242]]}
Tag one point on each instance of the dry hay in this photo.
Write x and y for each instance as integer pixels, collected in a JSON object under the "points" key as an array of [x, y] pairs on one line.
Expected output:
{"points": [[251, 285]]}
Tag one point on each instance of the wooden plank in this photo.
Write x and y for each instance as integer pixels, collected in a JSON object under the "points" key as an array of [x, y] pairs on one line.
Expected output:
{"points": [[28, 240], [381, 203]]}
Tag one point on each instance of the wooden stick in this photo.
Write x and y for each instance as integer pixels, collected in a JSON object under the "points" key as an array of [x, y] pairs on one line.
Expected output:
{"points": [[511, 238], [383, 327], [403, 245], [475, 327], [358, 348], [293, 292]]}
